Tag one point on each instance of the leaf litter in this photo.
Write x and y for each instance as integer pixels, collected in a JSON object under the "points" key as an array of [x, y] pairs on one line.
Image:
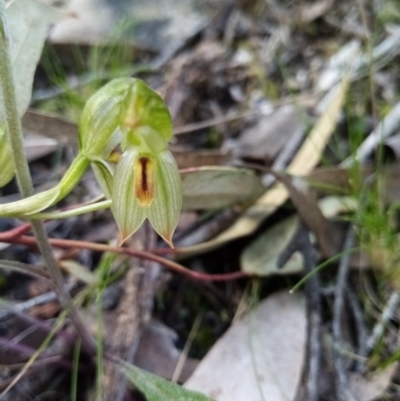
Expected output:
{"points": [[258, 85]]}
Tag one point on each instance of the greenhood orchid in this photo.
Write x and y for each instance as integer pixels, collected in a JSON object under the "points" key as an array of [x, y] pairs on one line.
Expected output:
{"points": [[145, 182]]}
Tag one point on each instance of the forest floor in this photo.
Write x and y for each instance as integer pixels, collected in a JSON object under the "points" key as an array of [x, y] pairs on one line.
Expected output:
{"points": [[283, 281]]}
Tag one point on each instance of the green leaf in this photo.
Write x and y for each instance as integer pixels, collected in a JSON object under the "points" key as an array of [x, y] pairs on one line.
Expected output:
{"points": [[36, 203], [28, 22], [219, 187], [157, 389], [73, 175]]}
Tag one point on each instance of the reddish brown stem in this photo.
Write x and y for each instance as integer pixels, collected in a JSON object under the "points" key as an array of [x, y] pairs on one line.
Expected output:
{"points": [[15, 232], [173, 266]]}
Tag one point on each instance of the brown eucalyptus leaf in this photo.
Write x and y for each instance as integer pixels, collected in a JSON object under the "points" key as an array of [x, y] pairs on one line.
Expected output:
{"points": [[303, 163], [188, 158], [305, 202]]}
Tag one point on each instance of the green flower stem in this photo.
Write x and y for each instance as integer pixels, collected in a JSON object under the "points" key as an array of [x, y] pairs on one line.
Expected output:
{"points": [[26, 207], [73, 175], [14, 132], [72, 212]]}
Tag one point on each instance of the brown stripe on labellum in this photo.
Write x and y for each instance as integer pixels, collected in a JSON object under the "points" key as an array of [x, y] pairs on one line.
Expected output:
{"points": [[144, 180]]}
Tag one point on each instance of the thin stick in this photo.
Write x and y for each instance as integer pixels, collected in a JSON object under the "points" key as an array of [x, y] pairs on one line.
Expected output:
{"points": [[342, 388], [41, 299], [312, 369], [23, 268], [186, 349], [176, 267], [361, 329], [388, 312]]}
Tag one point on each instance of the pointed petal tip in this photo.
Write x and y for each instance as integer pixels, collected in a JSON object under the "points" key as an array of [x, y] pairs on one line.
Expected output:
{"points": [[168, 240], [122, 239]]}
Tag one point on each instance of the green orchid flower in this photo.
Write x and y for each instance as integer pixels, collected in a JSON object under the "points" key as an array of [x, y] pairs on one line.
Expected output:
{"points": [[145, 183]]}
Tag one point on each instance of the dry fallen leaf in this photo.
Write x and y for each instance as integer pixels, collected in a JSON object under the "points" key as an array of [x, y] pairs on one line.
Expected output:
{"points": [[37, 146], [266, 138], [158, 354], [260, 256], [162, 27], [368, 389], [187, 158], [260, 357], [52, 126], [218, 187], [302, 164]]}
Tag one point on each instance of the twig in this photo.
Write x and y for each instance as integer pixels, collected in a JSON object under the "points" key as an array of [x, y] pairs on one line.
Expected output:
{"points": [[387, 127], [311, 372], [32, 321], [23, 268], [343, 392], [173, 266], [41, 299], [369, 56], [250, 113], [285, 155], [25, 350], [16, 232], [36, 370], [388, 312], [21, 349], [85, 79], [205, 230], [362, 333], [184, 354]]}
